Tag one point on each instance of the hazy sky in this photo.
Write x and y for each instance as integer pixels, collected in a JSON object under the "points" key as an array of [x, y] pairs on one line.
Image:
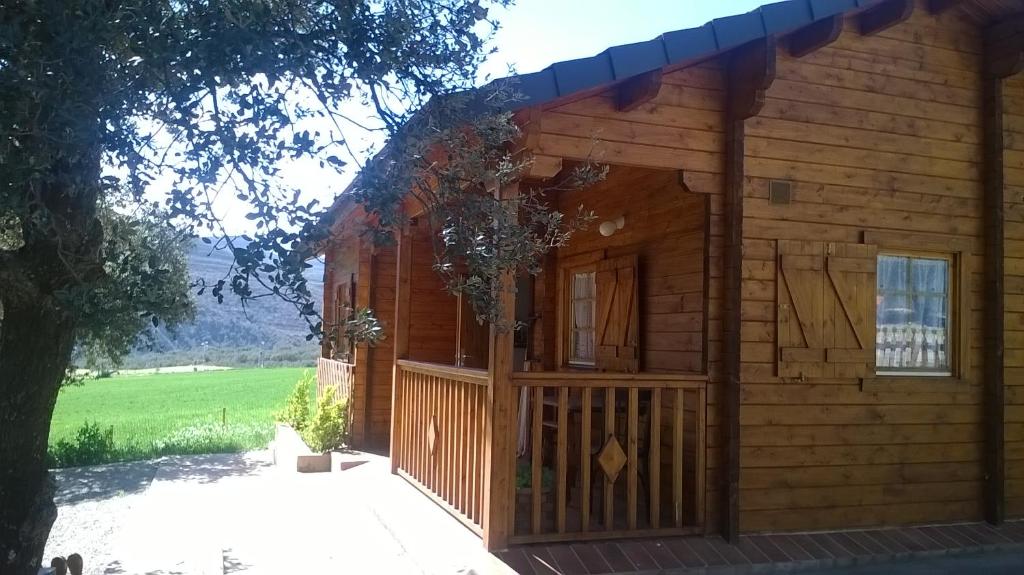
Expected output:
{"points": [[534, 34]]}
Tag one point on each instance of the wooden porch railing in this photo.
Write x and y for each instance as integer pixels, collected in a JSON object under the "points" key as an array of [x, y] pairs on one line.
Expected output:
{"points": [[334, 374], [609, 455], [439, 446]]}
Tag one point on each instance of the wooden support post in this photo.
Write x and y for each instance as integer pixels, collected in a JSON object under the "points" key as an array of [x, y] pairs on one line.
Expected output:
{"points": [[885, 15], [499, 426], [1004, 57], [817, 35], [751, 72], [638, 90], [364, 372], [403, 299]]}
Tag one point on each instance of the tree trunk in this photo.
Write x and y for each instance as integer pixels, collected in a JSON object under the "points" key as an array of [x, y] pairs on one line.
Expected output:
{"points": [[36, 341]]}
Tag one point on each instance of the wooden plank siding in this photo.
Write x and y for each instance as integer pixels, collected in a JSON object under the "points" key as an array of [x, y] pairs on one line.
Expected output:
{"points": [[675, 137], [1013, 317], [875, 133], [433, 313]]}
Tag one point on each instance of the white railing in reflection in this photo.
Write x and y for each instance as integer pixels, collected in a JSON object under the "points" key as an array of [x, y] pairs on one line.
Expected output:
{"points": [[911, 346]]}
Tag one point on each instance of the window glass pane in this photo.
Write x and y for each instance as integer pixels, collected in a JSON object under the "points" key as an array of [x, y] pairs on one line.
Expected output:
{"points": [[913, 314], [582, 307]]}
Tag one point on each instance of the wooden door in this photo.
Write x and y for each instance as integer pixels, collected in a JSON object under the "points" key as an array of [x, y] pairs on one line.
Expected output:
{"points": [[472, 343]]}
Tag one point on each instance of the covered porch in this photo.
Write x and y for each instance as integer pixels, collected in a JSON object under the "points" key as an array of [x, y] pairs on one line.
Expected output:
{"points": [[589, 422]]}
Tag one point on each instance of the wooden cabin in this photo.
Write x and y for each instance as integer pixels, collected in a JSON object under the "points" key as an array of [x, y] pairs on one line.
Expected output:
{"points": [[806, 310]]}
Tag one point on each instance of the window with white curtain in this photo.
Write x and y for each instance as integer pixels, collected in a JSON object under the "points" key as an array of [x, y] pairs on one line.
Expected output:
{"points": [[582, 311], [913, 315]]}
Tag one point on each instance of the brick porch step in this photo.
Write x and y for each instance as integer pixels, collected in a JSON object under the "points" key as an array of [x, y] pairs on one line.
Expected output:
{"points": [[762, 553]]}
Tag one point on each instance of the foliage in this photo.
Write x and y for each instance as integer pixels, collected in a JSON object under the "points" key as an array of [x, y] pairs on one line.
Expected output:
{"points": [[296, 410], [211, 438], [91, 445], [208, 95], [457, 156], [524, 477], [359, 326], [103, 100], [328, 428], [145, 283], [176, 413]]}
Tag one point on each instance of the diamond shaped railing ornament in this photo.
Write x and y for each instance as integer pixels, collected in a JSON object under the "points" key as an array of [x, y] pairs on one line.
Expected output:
{"points": [[432, 436], [612, 458]]}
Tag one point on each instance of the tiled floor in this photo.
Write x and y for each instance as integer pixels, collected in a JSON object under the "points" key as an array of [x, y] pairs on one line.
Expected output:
{"points": [[760, 553]]}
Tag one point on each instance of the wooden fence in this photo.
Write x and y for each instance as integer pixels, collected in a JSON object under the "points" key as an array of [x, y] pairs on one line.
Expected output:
{"points": [[439, 446], [337, 375], [610, 455]]}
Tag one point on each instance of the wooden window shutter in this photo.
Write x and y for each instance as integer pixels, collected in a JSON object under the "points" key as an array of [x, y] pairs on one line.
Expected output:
{"points": [[851, 271], [826, 309], [618, 315], [800, 309]]}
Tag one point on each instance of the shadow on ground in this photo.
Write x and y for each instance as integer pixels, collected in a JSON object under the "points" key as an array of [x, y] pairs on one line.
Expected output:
{"points": [[205, 469], [95, 483]]}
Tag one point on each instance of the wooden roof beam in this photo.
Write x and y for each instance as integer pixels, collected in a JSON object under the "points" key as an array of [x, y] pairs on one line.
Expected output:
{"points": [[543, 167], [638, 90], [884, 15], [939, 6], [751, 73], [1004, 47], [816, 36]]}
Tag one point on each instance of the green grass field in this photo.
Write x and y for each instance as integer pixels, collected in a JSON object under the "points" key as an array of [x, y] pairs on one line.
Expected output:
{"points": [[163, 414]]}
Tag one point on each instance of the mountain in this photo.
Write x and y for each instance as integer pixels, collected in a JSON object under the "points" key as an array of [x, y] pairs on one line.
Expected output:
{"points": [[267, 330]]}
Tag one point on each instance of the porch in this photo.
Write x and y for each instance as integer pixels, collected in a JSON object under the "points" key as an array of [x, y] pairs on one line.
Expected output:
{"points": [[591, 421]]}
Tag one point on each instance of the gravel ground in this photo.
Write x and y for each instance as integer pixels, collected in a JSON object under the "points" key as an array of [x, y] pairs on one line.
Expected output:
{"points": [[92, 502], [240, 514]]}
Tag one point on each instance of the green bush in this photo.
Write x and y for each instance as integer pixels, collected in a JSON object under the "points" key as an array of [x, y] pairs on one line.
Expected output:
{"points": [[327, 429], [296, 410], [209, 438], [92, 445]]}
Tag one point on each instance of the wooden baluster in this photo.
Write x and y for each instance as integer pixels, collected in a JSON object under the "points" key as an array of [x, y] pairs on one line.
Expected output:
{"points": [[563, 458], [481, 408], [471, 463], [448, 440], [419, 432], [609, 431], [463, 469], [514, 418], [536, 480], [586, 407], [677, 457], [434, 404], [654, 460], [408, 415], [700, 449], [631, 457]]}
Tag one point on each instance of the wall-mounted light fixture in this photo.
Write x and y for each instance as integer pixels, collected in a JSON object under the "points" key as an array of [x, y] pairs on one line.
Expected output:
{"points": [[609, 227]]}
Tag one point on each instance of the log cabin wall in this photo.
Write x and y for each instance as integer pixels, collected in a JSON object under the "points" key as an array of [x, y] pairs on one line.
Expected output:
{"points": [[433, 314], [679, 131], [664, 227], [1013, 127], [876, 133]]}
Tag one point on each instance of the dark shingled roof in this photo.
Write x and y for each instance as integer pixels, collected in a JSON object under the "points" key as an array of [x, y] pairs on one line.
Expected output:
{"points": [[620, 62]]}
